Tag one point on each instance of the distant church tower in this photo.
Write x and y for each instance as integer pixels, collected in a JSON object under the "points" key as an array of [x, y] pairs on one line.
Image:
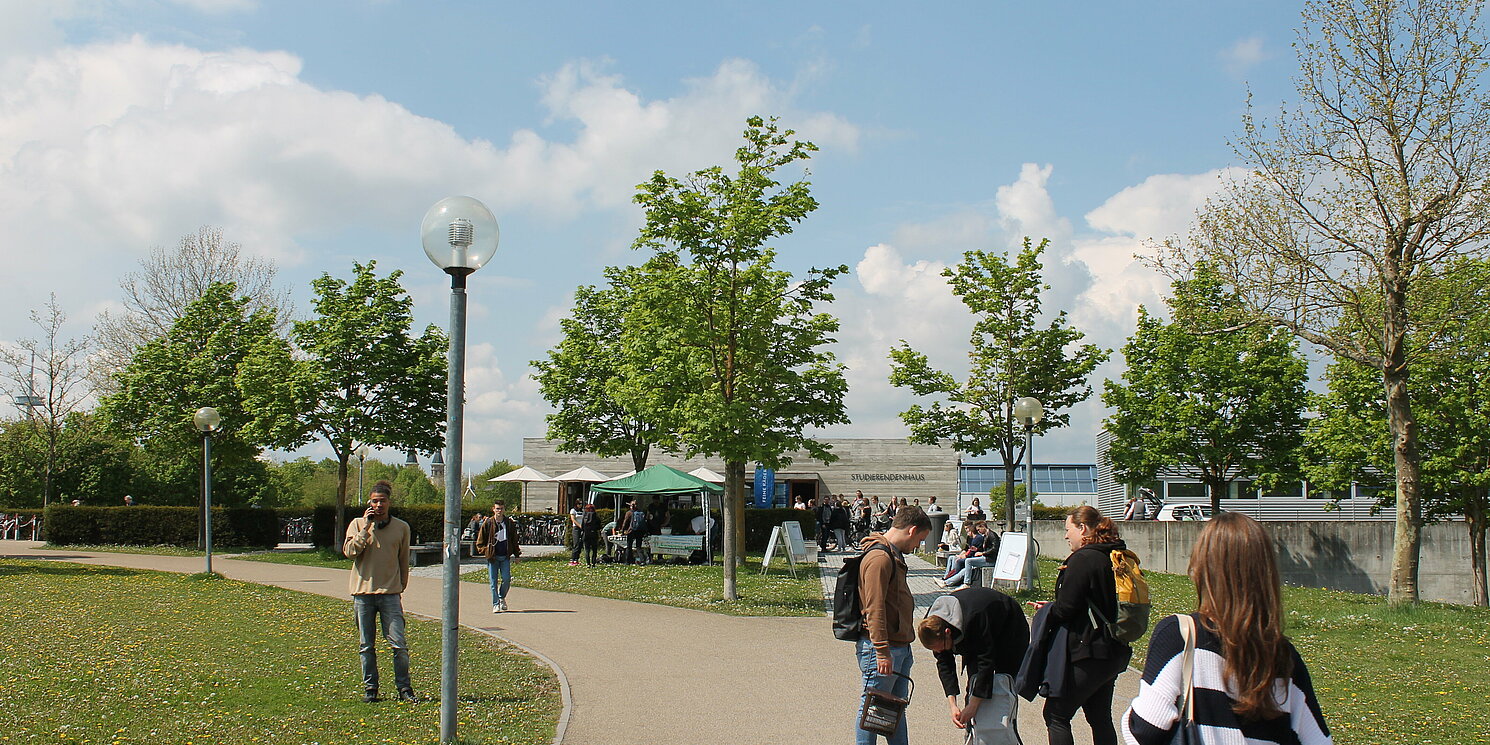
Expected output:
{"points": [[437, 466]]}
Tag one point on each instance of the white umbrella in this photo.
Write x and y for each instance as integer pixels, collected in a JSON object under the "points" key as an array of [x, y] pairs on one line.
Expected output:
{"points": [[523, 474], [707, 475], [585, 473]]}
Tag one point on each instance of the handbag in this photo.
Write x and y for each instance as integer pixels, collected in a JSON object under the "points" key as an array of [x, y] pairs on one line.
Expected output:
{"points": [[1186, 731], [882, 710], [996, 722]]}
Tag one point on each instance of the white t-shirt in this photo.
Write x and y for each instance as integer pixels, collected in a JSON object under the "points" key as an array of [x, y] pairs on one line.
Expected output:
{"points": [[697, 525]]}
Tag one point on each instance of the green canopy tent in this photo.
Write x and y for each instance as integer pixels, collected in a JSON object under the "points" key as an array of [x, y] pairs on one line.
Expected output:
{"points": [[661, 481]]}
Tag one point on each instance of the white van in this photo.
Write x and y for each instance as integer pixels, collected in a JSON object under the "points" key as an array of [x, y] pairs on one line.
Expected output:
{"points": [[1184, 512]]}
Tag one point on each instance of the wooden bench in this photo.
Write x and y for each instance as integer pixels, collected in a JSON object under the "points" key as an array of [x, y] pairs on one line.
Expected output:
{"points": [[426, 554]]}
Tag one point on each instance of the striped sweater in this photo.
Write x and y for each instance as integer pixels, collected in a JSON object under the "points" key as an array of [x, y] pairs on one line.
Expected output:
{"points": [[1152, 717]]}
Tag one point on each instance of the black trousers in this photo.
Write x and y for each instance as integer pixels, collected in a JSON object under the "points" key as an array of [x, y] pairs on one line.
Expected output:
{"points": [[1089, 688]]}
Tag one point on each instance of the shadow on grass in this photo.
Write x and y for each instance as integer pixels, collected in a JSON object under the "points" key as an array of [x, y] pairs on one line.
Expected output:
{"points": [[48, 565]]}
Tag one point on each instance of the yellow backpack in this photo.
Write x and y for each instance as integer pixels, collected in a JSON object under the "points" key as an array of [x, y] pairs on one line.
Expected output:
{"points": [[1132, 620]]}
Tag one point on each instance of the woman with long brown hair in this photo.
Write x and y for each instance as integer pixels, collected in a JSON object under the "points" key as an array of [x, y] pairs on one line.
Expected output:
{"points": [[1094, 659], [1249, 682]]}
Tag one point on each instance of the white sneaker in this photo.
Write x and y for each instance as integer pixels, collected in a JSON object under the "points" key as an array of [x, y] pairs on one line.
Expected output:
{"points": [[496, 608], [502, 604], [941, 583]]}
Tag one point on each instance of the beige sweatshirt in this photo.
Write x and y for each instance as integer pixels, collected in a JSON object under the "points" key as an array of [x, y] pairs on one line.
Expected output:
{"points": [[380, 557]]}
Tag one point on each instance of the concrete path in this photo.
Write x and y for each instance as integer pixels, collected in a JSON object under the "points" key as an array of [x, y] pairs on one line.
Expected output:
{"points": [[642, 673]]}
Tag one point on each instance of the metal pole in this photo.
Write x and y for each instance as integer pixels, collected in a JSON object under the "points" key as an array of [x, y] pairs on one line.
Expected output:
{"points": [[455, 413], [207, 494], [1031, 567], [360, 493]]}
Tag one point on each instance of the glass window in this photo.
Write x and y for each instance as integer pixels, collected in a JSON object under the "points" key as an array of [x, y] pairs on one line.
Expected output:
{"points": [[1244, 490], [1286, 491], [1185, 490]]}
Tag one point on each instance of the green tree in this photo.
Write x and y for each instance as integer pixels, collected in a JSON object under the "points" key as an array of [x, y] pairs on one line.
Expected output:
{"points": [[412, 486], [1205, 394], [194, 364], [739, 367], [47, 376], [586, 377], [352, 375], [1379, 173], [1350, 441], [509, 493], [1010, 357]]}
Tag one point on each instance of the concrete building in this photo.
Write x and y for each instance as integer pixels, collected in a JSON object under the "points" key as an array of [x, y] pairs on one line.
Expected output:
{"points": [[886, 467]]}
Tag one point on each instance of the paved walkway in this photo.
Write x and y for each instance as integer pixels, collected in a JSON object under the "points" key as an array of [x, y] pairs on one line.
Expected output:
{"points": [[641, 673]]}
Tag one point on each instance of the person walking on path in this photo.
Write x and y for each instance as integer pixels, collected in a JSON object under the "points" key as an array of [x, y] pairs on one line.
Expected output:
{"points": [[378, 545], [589, 526], [889, 609], [1249, 681], [1094, 657], [989, 631], [497, 541]]}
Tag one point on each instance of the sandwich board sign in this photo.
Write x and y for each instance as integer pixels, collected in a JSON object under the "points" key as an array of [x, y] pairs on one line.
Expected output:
{"points": [[788, 535], [1013, 548]]}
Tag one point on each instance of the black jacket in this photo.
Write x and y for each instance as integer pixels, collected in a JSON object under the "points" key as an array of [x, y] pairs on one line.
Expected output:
{"points": [[1086, 578], [992, 639]]}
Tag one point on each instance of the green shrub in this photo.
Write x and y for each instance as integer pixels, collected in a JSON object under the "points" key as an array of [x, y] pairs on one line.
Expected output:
{"points": [[155, 526]]}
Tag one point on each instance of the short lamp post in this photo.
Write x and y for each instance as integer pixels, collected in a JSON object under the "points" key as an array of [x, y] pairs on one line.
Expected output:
{"points": [[460, 235], [1029, 411], [361, 456], [208, 421]]}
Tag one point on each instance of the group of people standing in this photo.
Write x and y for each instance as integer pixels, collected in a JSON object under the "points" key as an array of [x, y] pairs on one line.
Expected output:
{"points": [[839, 517], [1250, 685]]}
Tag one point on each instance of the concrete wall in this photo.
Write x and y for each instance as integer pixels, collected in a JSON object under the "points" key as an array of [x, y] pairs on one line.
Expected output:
{"points": [[1338, 555]]}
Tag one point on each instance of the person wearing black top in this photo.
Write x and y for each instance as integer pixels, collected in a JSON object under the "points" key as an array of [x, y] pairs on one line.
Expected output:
{"points": [[839, 524], [988, 630], [1096, 659]]}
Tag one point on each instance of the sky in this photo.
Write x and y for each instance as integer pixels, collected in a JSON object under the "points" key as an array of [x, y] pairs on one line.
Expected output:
{"points": [[317, 134]]}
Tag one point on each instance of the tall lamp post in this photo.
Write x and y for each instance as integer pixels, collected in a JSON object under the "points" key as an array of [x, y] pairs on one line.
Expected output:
{"points": [[459, 235], [208, 421], [1029, 411]]}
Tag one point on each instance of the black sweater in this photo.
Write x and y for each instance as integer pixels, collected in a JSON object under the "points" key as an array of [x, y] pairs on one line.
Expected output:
{"points": [[1086, 577], [992, 639]]}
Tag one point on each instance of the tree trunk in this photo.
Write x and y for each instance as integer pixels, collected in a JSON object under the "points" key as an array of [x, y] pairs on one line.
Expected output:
{"points": [[1215, 489], [1474, 518], [339, 528], [1009, 496], [1402, 588], [639, 457], [734, 488]]}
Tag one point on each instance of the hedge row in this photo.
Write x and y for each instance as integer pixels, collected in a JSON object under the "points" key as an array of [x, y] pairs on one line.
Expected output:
{"points": [[153, 526]]}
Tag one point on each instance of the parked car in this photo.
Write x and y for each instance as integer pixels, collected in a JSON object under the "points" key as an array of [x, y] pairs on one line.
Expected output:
{"points": [[1182, 512]]}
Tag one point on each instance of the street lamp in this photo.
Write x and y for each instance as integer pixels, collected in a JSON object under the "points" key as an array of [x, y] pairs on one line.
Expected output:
{"points": [[1029, 411], [361, 456], [459, 235], [208, 421]]}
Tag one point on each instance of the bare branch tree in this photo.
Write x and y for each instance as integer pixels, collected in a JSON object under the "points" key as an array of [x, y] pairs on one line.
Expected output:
{"points": [[1379, 175], [47, 378], [171, 279]]}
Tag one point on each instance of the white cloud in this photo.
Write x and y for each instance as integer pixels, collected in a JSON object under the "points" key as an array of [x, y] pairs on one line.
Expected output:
{"points": [[1242, 55]]}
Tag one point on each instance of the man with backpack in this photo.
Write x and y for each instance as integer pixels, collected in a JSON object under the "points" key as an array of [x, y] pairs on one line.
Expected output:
{"points": [[635, 525], [825, 523], [887, 611]]}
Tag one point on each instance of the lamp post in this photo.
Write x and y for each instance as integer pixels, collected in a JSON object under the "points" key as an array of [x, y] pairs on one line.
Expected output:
{"points": [[208, 421], [1030, 411], [460, 235], [361, 456]]}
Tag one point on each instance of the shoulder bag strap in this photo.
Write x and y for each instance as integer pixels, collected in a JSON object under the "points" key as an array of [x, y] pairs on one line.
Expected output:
{"points": [[1187, 668]]}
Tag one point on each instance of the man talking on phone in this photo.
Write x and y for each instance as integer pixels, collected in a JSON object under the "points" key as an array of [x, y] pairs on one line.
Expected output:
{"points": [[378, 545]]}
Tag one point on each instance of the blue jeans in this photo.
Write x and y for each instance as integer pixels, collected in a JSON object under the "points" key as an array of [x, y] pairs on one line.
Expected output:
{"points": [[390, 608], [900, 662], [495, 567], [973, 562]]}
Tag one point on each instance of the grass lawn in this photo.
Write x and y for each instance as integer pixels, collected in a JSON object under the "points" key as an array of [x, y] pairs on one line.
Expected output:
{"points": [[320, 557], [162, 550], [684, 586], [94, 654], [1383, 676]]}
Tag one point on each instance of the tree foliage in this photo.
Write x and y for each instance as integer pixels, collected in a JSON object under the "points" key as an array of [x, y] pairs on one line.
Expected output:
{"points": [[47, 376], [194, 364], [1379, 173], [734, 358], [586, 377], [352, 375], [169, 280], [1010, 356], [1204, 395]]}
